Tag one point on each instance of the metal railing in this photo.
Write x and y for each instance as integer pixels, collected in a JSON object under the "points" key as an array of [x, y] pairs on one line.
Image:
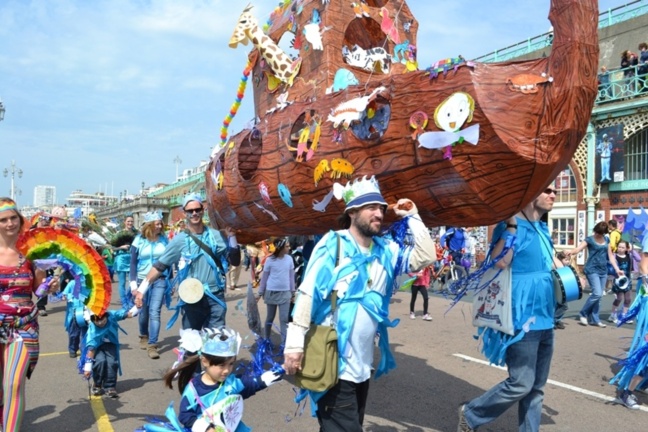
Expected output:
{"points": [[606, 19], [621, 84]]}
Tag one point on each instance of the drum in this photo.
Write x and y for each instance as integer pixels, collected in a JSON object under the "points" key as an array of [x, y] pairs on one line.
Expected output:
{"points": [[191, 290], [567, 285], [80, 317]]}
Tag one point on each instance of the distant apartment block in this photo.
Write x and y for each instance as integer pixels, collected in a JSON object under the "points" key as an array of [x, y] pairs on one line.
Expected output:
{"points": [[44, 196]]}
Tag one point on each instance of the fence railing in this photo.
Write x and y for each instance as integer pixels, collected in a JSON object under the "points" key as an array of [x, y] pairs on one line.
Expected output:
{"points": [[606, 19], [621, 84]]}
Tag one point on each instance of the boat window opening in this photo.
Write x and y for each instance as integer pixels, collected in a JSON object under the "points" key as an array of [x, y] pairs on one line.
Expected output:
{"points": [[249, 155], [287, 44], [301, 135], [366, 46], [374, 120]]}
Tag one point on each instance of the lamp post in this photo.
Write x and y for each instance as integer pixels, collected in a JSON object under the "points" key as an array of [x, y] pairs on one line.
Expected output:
{"points": [[2, 110], [177, 161], [13, 171]]}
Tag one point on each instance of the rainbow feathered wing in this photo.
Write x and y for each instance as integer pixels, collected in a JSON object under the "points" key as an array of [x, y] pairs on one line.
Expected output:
{"points": [[93, 285]]}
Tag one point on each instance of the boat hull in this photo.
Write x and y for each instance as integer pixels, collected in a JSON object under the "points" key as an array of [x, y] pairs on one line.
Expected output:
{"points": [[525, 140]]}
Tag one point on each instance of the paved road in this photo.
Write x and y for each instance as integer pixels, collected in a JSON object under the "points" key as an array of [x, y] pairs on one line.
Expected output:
{"points": [[439, 366]]}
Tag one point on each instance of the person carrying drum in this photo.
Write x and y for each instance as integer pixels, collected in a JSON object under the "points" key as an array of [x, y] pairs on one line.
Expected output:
{"points": [[622, 286], [201, 253]]}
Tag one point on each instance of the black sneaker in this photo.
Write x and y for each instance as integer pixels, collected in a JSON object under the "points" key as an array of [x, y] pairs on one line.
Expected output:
{"points": [[96, 391], [559, 325], [72, 354]]}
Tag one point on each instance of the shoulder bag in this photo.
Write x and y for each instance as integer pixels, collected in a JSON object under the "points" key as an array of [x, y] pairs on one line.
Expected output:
{"points": [[492, 303], [320, 361]]}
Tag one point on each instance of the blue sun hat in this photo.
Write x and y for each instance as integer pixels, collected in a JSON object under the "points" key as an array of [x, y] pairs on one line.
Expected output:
{"points": [[191, 197], [359, 193]]}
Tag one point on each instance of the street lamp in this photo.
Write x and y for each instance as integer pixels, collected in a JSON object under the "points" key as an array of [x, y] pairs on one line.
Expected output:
{"points": [[13, 171], [2, 110]]}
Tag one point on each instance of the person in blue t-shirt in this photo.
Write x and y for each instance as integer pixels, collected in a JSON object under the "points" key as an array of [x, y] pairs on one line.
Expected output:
{"points": [[455, 240], [202, 253]]}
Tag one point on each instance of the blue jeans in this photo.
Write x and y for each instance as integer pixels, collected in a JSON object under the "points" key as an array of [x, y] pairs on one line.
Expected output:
{"points": [[106, 365], [124, 290], [528, 364], [590, 309], [149, 317]]}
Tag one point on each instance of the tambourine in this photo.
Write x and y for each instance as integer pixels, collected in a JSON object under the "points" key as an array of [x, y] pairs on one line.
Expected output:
{"points": [[191, 290]]}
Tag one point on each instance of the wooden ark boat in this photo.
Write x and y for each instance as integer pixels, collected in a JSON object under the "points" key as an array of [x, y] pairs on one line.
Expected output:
{"points": [[322, 119]]}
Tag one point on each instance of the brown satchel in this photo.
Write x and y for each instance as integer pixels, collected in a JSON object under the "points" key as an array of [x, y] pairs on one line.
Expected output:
{"points": [[320, 361]]}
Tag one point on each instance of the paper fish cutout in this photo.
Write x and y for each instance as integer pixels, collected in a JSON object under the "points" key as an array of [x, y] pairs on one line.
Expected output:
{"points": [[284, 194], [265, 193], [320, 206]]}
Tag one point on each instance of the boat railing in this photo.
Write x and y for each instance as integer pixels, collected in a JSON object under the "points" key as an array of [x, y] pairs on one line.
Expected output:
{"points": [[621, 84], [606, 19]]}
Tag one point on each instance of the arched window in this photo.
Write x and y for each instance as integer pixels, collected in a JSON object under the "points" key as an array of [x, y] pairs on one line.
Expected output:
{"points": [[565, 186]]}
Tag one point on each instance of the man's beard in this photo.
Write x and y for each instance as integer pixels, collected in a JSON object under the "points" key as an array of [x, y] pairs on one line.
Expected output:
{"points": [[366, 229]]}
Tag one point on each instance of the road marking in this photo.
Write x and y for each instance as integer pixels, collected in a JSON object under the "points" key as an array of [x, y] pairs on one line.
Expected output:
{"points": [[103, 423], [550, 381]]}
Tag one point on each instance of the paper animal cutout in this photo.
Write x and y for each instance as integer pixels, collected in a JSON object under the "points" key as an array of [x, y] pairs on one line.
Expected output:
{"points": [[527, 83], [348, 111], [367, 59]]}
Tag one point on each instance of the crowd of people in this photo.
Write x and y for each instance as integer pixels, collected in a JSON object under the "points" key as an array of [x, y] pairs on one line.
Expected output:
{"points": [[357, 263]]}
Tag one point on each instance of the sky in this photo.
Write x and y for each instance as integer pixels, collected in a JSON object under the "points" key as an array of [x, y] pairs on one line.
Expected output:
{"points": [[103, 95]]}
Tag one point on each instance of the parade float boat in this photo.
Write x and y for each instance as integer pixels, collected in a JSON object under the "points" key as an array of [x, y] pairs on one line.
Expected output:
{"points": [[470, 143]]}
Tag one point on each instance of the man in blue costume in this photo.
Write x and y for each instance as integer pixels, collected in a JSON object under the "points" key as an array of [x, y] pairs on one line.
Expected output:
{"points": [[528, 353], [455, 240], [202, 253], [363, 280]]}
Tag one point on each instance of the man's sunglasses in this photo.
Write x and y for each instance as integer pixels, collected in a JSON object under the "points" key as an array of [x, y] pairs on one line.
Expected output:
{"points": [[550, 191], [194, 210]]}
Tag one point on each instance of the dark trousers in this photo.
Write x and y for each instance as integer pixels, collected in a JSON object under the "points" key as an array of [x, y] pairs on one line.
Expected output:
{"points": [[76, 335], [424, 293], [106, 366], [342, 408], [207, 313], [42, 302]]}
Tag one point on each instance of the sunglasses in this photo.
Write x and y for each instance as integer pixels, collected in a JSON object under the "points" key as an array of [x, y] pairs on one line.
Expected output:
{"points": [[550, 191], [194, 211]]}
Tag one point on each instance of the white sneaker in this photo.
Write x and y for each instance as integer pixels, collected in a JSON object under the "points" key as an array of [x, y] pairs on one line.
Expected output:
{"points": [[412, 316], [427, 317], [583, 321], [613, 318]]}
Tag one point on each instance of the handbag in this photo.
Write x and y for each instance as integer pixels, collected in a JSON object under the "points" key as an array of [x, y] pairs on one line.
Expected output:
{"points": [[320, 360], [492, 304]]}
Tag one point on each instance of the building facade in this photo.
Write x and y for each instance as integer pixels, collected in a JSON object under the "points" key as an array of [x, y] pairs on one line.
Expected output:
{"points": [[44, 196]]}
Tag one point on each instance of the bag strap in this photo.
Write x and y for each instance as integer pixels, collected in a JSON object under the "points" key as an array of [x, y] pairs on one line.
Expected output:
{"points": [[206, 249], [337, 262]]}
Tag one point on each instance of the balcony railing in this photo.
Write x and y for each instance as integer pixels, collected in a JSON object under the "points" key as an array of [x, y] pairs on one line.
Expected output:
{"points": [[606, 19], [621, 84]]}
